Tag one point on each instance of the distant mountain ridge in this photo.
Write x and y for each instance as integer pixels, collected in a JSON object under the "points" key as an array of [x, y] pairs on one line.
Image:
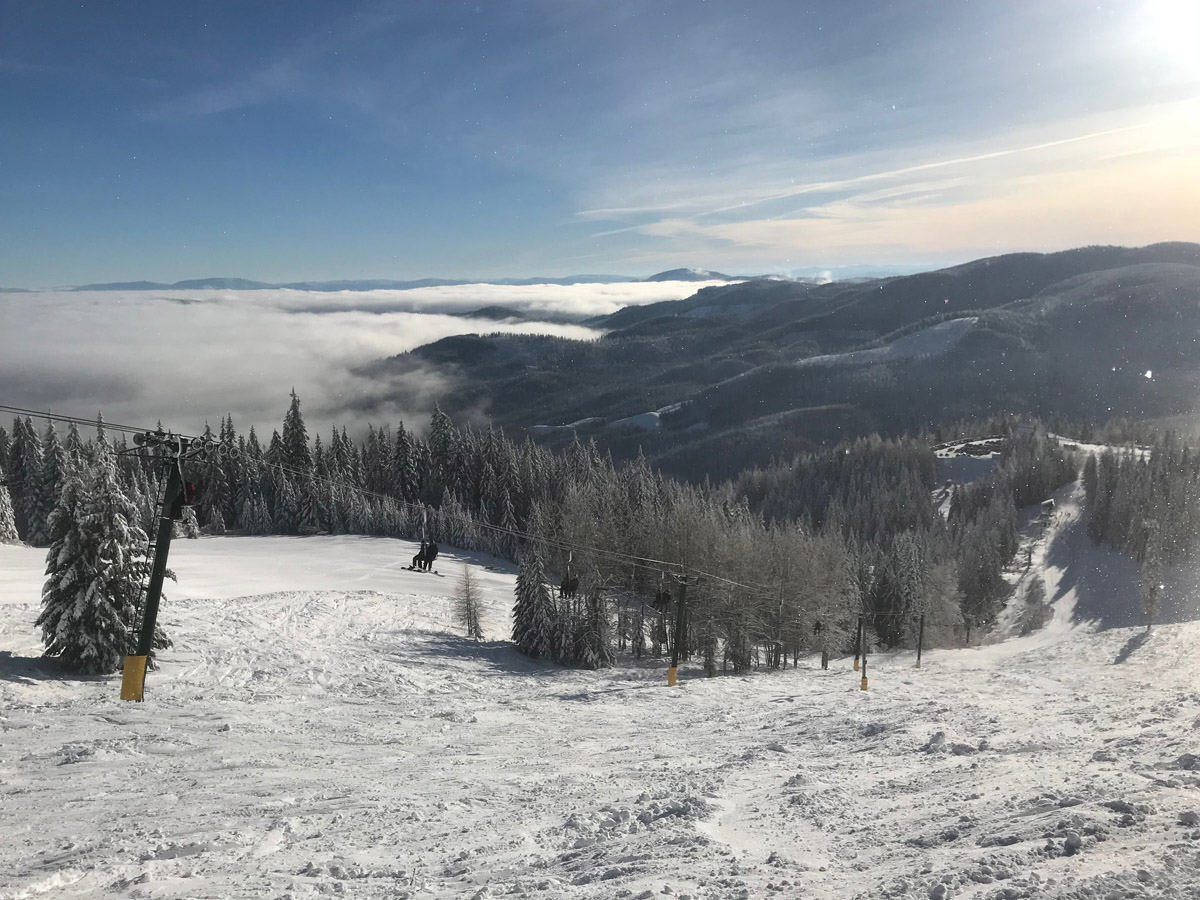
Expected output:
{"points": [[369, 284], [383, 284], [693, 275]]}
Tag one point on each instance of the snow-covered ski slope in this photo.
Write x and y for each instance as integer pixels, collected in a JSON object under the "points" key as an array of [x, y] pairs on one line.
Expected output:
{"points": [[932, 341], [319, 728]]}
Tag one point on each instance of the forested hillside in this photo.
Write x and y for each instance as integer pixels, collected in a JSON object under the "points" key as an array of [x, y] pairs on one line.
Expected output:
{"points": [[780, 561], [738, 374]]}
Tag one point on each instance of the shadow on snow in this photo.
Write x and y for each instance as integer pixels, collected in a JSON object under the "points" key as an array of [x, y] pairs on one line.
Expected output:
{"points": [[32, 669]]}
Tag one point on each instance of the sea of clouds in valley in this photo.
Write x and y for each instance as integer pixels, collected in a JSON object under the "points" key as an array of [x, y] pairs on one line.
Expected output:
{"points": [[187, 357]]}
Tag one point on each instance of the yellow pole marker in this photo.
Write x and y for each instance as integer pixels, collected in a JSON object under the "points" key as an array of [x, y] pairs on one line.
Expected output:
{"points": [[133, 678], [671, 673], [863, 686]]}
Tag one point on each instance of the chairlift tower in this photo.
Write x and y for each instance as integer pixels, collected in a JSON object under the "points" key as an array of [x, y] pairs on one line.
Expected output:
{"points": [[172, 451]]}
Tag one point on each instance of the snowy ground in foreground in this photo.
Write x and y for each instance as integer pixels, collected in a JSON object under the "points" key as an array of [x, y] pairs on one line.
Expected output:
{"points": [[319, 728]]}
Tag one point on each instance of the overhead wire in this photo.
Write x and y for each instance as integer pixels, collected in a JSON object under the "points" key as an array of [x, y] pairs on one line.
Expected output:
{"points": [[76, 420]]}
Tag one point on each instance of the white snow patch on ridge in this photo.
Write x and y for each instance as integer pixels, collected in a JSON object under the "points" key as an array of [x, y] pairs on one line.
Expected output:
{"points": [[647, 421], [932, 341]]}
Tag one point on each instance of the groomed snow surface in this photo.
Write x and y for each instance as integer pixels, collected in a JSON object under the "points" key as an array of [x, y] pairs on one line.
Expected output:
{"points": [[320, 728]]}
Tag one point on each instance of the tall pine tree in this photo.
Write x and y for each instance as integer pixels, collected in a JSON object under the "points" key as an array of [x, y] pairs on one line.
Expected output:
{"points": [[46, 486], [94, 569], [296, 453], [8, 524], [533, 613], [24, 463]]}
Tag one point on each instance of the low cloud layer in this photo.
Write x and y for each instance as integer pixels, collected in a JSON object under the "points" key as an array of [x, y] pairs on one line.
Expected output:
{"points": [[187, 357]]}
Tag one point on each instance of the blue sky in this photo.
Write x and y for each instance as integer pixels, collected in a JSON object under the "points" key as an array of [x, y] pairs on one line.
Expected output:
{"points": [[303, 140]]}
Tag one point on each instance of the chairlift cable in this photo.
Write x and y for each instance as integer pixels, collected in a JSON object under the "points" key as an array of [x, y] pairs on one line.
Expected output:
{"points": [[76, 420]]}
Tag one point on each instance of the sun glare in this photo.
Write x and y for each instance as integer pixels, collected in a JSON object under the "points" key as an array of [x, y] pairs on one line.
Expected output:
{"points": [[1173, 32]]}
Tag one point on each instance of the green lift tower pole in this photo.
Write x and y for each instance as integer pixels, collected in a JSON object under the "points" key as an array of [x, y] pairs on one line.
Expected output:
{"points": [[133, 682], [176, 495], [162, 545]]}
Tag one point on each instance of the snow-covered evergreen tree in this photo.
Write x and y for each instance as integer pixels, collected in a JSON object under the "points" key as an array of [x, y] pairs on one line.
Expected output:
{"points": [[533, 613], [24, 464], [73, 446], [213, 482], [354, 511], [404, 470], [564, 633], [95, 568], [253, 448], [8, 524], [46, 486], [595, 634], [308, 517], [444, 444], [274, 454], [254, 517], [216, 524], [296, 453], [287, 507]]}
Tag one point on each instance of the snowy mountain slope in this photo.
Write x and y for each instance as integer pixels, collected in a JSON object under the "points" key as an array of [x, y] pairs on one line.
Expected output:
{"points": [[1036, 334], [932, 341], [318, 729]]}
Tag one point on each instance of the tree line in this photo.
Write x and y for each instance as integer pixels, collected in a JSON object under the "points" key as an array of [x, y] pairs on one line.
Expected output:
{"points": [[780, 561], [1145, 501]]}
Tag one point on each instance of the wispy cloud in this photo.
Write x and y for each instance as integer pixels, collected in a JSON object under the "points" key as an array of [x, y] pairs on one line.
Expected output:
{"points": [[980, 201], [279, 80]]}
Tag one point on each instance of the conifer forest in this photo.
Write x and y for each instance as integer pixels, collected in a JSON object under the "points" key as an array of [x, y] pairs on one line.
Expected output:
{"points": [[779, 562]]}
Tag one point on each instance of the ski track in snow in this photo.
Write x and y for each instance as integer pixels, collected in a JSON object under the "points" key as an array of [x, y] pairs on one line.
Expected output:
{"points": [[319, 729]]}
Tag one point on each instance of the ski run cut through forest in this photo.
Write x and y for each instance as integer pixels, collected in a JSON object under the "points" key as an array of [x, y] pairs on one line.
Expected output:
{"points": [[321, 727]]}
